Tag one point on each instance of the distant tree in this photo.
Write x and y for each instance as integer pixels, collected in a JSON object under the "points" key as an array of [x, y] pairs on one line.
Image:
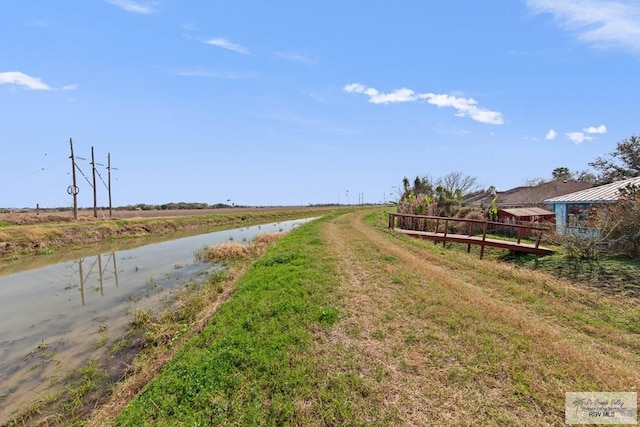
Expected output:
{"points": [[445, 194], [421, 185], [626, 234], [448, 201], [561, 173], [622, 163], [534, 182], [456, 182], [585, 176]]}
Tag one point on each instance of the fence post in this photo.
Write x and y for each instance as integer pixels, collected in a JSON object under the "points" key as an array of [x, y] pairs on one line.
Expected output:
{"points": [[484, 237], [539, 238], [519, 233]]}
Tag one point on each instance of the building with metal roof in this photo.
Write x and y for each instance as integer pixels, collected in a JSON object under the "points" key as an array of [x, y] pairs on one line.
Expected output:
{"points": [[571, 208]]}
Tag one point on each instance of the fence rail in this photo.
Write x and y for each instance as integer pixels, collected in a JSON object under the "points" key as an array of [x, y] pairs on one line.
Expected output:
{"points": [[444, 229]]}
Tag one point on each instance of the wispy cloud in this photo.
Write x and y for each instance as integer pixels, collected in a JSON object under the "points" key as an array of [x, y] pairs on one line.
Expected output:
{"points": [[21, 79], [316, 97], [578, 137], [465, 107], [585, 134], [70, 87], [551, 135], [600, 23], [295, 57], [133, 6], [216, 74], [226, 44], [602, 129]]}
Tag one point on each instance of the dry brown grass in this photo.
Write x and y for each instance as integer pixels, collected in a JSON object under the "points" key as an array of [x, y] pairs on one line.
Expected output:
{"points": [[455, 340], [39, 234], [232, 251], [227, 252]]}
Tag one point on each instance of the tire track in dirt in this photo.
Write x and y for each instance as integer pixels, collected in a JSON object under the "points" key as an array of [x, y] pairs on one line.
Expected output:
{"points": [[367, 300], [369, 295]]}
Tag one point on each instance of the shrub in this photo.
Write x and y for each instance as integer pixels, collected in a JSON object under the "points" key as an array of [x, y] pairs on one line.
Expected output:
{"points": [[620, 223]]}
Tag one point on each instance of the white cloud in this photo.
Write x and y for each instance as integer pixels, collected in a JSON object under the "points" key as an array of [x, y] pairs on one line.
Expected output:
{"points": [[132, 6], [226, 44], [551, 135], [376, 97], [602, 129], [295, 57], [22, 79], [70, 87], [464, 106], [578, 137], [600, 23]]}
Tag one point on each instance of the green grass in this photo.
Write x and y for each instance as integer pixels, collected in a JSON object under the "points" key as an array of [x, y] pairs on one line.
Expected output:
{"points": [[251, 363], [338, 324]]}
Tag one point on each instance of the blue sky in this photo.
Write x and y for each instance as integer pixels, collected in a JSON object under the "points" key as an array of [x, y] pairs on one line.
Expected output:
{"points": [[299, 102]]}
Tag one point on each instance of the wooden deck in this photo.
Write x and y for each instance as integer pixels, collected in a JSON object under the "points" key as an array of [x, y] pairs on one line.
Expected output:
{"points": [[440, 226]]}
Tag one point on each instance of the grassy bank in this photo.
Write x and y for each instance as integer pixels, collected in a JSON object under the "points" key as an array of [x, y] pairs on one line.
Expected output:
{"points": [[253, 363], [152, 337], [47, 238], [343, 322]]}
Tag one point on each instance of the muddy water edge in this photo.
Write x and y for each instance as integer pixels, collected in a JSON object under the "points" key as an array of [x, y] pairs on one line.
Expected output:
{"points": [[63, 324]]}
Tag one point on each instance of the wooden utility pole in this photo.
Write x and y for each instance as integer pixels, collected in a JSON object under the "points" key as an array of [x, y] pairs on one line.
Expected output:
{"points": [[109, 180], [73, 190], [95, 194]]}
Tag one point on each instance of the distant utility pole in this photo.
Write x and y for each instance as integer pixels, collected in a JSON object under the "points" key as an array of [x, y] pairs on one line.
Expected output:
{"points": [[73, 189], [109, 180], [95, 193]]}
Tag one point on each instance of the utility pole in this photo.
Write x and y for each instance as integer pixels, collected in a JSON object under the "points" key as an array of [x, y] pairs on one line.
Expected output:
{"points": [[95, 194], [109, 180], [73, 189]]}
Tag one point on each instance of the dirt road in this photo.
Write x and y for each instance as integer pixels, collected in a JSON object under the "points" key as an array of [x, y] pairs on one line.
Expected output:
{"points": [[445, 338]]}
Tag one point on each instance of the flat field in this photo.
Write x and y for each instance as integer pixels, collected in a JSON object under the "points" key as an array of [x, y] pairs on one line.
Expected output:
{"points": [[26, 217]]}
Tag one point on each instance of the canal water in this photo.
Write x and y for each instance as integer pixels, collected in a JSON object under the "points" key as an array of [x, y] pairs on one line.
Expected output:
{"points": [[54, 318]]}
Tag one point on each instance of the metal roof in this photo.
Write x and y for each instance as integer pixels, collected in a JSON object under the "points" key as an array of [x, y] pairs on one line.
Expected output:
{"points": [[603, 194], [519, 212]]}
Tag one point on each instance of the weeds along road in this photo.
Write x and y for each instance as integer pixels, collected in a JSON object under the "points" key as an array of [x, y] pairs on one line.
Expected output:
{"points": [[445, 338], [343, 322]]}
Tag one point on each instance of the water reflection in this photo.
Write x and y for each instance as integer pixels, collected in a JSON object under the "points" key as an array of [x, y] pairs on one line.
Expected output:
{"points": [[95, 267], [55, 317]]}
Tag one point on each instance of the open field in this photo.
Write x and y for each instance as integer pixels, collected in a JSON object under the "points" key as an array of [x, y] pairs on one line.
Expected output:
{"points": [[25, 217], [25, 233]]}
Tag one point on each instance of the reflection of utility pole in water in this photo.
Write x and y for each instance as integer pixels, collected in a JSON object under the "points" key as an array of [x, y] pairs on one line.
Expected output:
{"points": [[115, 269], [100, 275], [81, 279], [98, 260]]}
